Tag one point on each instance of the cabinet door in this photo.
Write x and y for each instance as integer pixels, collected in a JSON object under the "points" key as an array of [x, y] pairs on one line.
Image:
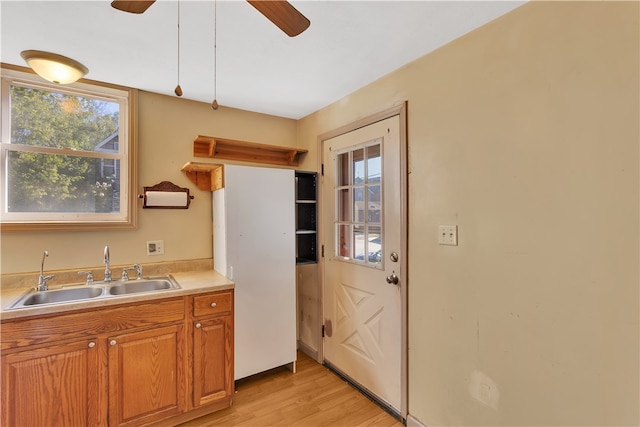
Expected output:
{"points": [[212, 360], [146, 375], [52, 386]]}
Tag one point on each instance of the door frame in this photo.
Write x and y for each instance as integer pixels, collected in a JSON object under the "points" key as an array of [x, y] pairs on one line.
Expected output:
{"points": [[401, 111]]}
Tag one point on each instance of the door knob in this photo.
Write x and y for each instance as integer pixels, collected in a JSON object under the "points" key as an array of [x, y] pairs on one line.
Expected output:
{"points": [[393, 279]]}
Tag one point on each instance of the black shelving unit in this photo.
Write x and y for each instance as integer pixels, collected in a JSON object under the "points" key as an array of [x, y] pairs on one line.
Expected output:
{"points": [[306, 218]]}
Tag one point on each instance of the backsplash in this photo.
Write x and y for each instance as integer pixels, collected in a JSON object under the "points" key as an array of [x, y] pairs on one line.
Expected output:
{"points": [[26, 280]]}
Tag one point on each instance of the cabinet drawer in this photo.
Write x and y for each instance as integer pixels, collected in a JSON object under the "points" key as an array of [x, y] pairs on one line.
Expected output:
{"points": [[82, 325], [220, 303]]}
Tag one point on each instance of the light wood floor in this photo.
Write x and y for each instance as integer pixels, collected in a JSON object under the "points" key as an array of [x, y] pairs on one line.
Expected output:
{"points": [[313, 396]]}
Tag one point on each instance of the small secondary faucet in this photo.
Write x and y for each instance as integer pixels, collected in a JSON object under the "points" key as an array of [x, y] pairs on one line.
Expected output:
{"points": [[138, 268], [107, 270], [125, 275], [42, 279], [89, 274]]}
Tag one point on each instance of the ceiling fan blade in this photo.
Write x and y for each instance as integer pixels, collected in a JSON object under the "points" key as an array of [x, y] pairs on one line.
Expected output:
{"points": [[283, 14], [133, 6]]}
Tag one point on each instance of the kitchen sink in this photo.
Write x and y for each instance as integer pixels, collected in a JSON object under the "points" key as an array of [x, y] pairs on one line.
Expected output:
{"points": [[137, 286], [60, 295], [96, 290]]}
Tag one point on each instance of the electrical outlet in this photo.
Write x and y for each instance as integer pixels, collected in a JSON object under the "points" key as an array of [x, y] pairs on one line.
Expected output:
{"points": [[448, 235], [155, 247]]}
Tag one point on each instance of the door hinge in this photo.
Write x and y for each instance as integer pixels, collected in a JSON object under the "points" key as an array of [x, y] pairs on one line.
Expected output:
{"points": [[322, 331], [322, 169], [322, 252]]}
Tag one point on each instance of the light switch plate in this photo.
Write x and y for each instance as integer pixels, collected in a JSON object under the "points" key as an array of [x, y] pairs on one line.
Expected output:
{"points": [[448, 235], [155, 247]]}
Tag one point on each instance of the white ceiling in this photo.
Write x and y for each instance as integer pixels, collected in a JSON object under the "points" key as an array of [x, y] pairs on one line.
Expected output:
{"points": [[348, 45]]}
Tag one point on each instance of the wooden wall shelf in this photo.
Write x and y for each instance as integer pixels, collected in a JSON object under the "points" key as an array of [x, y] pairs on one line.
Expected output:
{"points": [[228, 149], [206, 176]]}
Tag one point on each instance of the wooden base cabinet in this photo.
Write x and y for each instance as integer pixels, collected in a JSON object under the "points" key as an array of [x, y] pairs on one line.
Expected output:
{"points": [[212, 348], [157, 363], [56, 385], [146, 376]]}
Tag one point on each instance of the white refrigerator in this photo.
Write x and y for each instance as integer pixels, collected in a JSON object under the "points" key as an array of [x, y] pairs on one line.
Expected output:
{"points": [[254, 245]]}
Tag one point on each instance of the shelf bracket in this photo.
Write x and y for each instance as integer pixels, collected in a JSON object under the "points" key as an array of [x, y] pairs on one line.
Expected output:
{"points": [[206, 176]]}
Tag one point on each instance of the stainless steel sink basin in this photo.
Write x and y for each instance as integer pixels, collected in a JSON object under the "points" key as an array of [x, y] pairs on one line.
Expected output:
{"points": [[148, 285], [59, 295], [97, 290]]}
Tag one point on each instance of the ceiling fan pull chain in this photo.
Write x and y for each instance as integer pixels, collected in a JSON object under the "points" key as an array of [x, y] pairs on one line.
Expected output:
{"points": [[214, 104], [178, 89]]}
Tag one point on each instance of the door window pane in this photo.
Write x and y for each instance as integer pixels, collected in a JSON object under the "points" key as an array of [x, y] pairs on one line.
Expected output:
{"points": [[374, 164], [373, 204], [359, 242], [359, 204], [344, 247], [344, 205], [359, 207], [374, 244], [358, 166], [342, 167]]}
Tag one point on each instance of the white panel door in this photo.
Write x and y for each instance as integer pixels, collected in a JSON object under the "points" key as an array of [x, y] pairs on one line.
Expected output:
{"points": [[363, 246]]}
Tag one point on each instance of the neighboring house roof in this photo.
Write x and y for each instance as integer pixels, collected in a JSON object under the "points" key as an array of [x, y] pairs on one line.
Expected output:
{"points": [[109, 144]]}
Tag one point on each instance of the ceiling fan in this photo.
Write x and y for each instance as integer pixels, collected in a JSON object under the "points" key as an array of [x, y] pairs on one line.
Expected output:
{"points": [[281, 13]]}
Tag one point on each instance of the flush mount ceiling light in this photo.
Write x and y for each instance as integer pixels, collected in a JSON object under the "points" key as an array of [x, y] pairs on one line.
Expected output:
{"points": [[53, 67]]}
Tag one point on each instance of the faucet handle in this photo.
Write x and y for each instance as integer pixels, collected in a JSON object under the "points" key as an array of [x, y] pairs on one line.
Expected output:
{"points": [[89, 276], [125, 275], [42, 281]]}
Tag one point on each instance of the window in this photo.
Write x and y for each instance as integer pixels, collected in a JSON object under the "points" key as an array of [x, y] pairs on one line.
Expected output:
{"points": [[358, 197], [67, 155]]}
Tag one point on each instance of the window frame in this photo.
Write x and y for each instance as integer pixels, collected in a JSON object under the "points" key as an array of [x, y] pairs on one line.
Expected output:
{"points": [[128, 98]]}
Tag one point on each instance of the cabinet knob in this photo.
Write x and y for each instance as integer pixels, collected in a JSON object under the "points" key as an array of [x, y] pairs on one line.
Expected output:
{"points": [[112, 343], [92, 344], [214, 305], [198, 325]]}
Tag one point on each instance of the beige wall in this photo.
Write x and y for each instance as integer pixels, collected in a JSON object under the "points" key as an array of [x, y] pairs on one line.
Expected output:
{"points": [[168, 126], [525, 133]]}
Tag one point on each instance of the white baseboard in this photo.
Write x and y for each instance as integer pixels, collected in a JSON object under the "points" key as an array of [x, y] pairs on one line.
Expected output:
{"points": [[413, 422], [309, 351]]}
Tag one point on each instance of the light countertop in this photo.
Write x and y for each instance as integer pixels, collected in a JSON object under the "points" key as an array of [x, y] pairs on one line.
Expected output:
{"points": [[190, 282]]}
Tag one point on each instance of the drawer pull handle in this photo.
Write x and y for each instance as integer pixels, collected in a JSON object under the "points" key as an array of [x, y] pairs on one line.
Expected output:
{"points": [[198, 325], [214, 305], [92, 344], [112, 343]]}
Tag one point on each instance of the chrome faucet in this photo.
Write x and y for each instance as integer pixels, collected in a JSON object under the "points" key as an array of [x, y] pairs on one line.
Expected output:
{"points": [[107, 270], [138, 268], [89, 274], [125, 275], [42, 279]]}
